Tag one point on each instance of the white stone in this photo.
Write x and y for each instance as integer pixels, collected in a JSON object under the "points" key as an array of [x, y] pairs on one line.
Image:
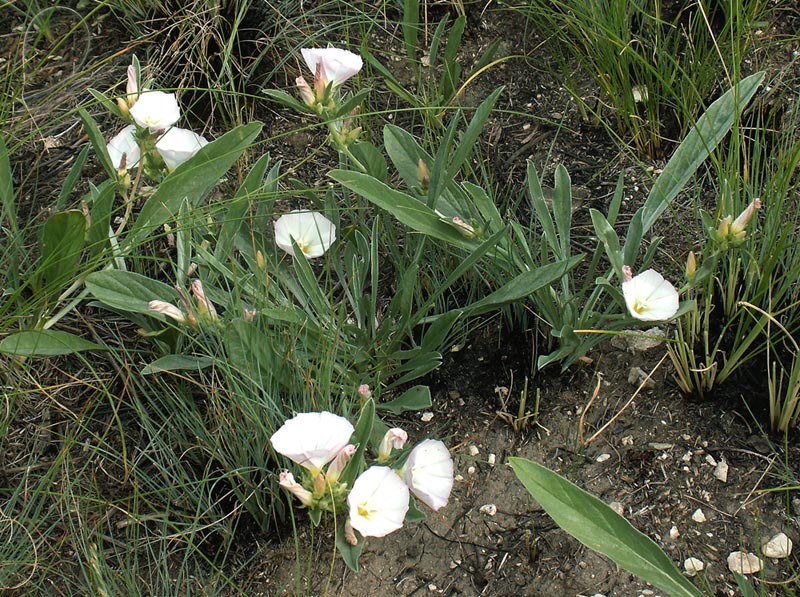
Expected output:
{"points": [[674, 533], [780, 546], [710, 460], [617, 507], [698, 516], [473, 450], [426, 417], [692, 566], [721, 471], [742, 562], [471, 470], [488, 509], [603, 457], [492, 459]]}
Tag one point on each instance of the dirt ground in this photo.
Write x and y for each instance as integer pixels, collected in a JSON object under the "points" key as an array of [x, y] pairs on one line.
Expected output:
{"points": [[658, 461]]}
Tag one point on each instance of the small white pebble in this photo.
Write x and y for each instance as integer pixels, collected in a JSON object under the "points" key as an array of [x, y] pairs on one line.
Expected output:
{"points": [[744, 563], [432, 588], [710, 460], [454, 564], [721, 471], [473, 450], [674, 533], [471, 470], [698, 516], [492, 459], [617, 507], [780, 546], [692, 566], [458, 478], [603, 457], [488, 509], [426, 417]]}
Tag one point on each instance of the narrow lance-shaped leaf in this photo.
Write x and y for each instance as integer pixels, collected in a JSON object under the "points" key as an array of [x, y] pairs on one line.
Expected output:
{"points": [[598, 527]]}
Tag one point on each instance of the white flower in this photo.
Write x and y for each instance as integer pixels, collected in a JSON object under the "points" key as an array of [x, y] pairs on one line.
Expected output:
{"points": [[124, 143], [378, 502], [336, 65], [178, 145], [648, 295], [428, 472], [156, 110], [312, 232], [312, 440]]}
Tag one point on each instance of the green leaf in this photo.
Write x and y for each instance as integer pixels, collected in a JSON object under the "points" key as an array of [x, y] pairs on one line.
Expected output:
{"points": [[407, 209], [598, 527], [98, 142], [350, 553], [744, 586], [371, 158], [63, 237], [129, 291], [101, 205], [523, 286], [192, 180], [608, 236], [415, 398], [710, 129], [405, 153], [45, 343], [177, 362], [287, 100]]}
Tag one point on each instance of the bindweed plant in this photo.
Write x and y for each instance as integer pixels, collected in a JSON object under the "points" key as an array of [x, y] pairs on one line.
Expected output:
{"points": [[376, 501]]}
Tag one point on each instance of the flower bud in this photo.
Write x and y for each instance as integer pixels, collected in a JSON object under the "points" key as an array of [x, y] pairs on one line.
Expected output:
{"points": [[364, 392], [301, 493], [123, 107], [350, 534], [424, 176], [204, 305], [336, 467], [305, 91], [394, 438], [737, 228], [132, 87], [167, 309], [691, 266], [464, 228]]}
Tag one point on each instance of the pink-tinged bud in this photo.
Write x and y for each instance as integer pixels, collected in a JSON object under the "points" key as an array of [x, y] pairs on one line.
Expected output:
{"points": [[424, 176], [320, 484], [336, 467], [364, 392], [464, 228], [305, 91], [204, 305], [627, 273], [724, 228], [691, 266], [737, 228], [349, 120], [132, 87], [249, 315], [167, 309], [301, 493], [350, 534], [395, 438]]}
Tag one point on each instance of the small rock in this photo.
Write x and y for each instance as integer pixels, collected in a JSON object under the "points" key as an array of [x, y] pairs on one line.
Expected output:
{"points": [[458, 478], [637, 377], [710, 460], [602, 457], [617, 507], [661, 446], [432, 588], [692, 566], [796, 506], [742, 562], [780, 546], [488, 509], [473, 450], [471, 470], [698, 516], [491, 459], [627, 440], [674, 533], [721, 471], [454, 564], [426, 417]]}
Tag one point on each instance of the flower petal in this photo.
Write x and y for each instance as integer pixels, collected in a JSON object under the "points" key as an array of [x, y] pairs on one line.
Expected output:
{"points": [[124, 143], [378, 502], [428, 472], [312, 232], [649, 297], [312, 439], [156, 110], [178, 145], [337, 65]]}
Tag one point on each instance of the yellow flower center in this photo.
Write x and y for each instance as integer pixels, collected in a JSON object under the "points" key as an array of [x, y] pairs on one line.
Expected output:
{"points": [[363, 510]]}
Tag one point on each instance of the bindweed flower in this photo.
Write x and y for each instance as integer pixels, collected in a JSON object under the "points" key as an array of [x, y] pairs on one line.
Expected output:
{"points": [[312, 440], [168, 309], [313, 233], [123, 149], [648, 296], [378, 502], [156, 110], [428, 472], [394, 438], [178, 145], [331, 66], [301, 493]]}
